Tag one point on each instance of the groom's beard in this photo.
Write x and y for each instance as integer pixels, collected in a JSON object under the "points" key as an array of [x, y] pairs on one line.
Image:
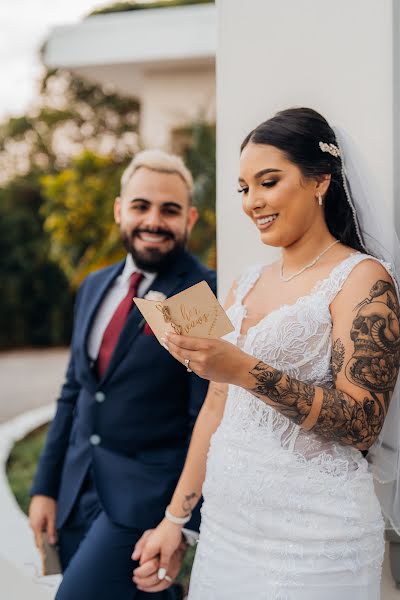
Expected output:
{"points": [[154, 260]]}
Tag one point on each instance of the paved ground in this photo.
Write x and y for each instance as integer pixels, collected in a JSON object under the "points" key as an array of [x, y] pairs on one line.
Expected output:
{"points": [[14, 585], [31, 379]]}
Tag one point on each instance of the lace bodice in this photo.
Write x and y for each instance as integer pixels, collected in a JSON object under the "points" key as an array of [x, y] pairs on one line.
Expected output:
{"points": [[296, 339]]}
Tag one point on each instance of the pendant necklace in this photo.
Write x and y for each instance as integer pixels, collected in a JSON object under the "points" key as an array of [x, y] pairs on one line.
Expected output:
{"points": [[311, 264]]}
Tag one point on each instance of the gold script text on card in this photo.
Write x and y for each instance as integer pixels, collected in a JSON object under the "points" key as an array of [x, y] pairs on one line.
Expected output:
{"points": [[192, 317]]}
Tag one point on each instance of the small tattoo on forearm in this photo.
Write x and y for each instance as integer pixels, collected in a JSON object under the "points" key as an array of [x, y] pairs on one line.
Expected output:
{"points": [[219, 390], [187, 504]]}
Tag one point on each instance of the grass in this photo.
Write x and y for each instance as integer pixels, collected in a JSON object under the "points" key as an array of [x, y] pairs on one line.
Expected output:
{"points": [[22, 463], [21, 466]]}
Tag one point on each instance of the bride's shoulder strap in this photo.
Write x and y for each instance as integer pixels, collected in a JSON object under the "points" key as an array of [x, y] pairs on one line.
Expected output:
{"points": [[332, 285], [246, 281]]}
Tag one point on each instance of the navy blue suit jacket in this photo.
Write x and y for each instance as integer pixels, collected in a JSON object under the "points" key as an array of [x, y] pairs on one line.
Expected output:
{"points": [[142, 410]]}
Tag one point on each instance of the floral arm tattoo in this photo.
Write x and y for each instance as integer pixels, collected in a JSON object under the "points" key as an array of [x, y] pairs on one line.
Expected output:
{"points": [[373, 366], [337, 358]]}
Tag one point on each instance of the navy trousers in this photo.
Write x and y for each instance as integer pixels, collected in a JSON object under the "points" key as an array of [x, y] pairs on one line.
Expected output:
{"points": [[96, 553]]}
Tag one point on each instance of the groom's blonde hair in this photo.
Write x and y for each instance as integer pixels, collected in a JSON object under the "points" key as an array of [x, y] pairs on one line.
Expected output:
{"points": [[161, 162]]}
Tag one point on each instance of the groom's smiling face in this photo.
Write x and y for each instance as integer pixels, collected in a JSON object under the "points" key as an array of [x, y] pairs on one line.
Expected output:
{"points": [[155, 217]]}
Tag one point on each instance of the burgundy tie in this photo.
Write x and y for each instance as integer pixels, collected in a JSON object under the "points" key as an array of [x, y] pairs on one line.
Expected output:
{"points": [[116, 324]]}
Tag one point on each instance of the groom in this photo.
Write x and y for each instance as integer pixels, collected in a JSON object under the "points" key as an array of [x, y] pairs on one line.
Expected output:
{"points": [[117, 444]]}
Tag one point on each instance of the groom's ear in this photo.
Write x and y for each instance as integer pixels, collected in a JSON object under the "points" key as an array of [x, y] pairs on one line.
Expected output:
{"points": [[193, 215], [117, 210]]}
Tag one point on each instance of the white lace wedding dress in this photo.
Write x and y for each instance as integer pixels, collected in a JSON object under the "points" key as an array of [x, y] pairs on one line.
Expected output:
{"points": [[287, 515]]}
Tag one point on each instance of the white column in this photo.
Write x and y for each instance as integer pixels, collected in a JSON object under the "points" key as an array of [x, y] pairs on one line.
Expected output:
{"points": [[335, 57]]}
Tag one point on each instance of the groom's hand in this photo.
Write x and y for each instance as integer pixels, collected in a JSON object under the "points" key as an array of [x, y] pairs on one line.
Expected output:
{"points": [[146, 576], [160, 542], [42, 517], [141, 544]]}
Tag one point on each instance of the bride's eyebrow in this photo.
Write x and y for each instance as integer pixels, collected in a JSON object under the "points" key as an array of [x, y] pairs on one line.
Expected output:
{"points": [[261, 173], [265, 172]]}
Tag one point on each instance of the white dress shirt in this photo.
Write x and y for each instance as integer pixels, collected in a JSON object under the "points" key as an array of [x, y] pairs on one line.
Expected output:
{"points": [[111, 300]]}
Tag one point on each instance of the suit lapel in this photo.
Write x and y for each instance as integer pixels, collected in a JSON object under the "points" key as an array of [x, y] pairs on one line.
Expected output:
{"points": [[166, 283]]}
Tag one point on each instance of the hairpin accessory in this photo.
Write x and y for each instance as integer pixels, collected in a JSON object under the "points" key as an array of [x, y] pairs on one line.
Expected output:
{"points": [[330, 148], [168, 319]]}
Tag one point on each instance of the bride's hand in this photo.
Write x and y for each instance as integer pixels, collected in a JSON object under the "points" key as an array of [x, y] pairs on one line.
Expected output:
{"points": [[216, 360], [160, 543]]}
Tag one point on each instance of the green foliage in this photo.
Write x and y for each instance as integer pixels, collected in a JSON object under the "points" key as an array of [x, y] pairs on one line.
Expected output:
{"points": [[99, 110], [78, 211], [16, 127], [184, 575], [21, 465], [73, 117], [35, 302], [199, 155], [129, 6]]}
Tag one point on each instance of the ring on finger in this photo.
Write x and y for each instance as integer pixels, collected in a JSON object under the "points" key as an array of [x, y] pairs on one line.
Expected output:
{"points": [[187, 362]]}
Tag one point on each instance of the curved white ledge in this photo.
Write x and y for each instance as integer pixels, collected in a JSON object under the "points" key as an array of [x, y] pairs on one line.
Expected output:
{"points": [[19, 560]]}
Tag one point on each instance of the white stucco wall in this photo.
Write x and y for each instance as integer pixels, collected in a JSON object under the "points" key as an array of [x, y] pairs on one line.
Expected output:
{"points": [[172, 98], [336, 57]]}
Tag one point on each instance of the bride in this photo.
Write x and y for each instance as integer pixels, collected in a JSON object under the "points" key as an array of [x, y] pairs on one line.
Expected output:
{"points": [[299, 392]]}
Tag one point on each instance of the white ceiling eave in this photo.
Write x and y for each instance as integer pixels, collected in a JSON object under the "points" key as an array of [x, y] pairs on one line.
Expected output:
{"points": [[174, 35]]}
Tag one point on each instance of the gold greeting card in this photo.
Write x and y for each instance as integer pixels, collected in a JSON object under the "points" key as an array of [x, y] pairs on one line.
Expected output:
{"points": [[195, 312]]}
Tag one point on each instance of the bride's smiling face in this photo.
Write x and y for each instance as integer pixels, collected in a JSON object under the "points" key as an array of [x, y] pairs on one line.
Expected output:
{"points": [[278, 199]]}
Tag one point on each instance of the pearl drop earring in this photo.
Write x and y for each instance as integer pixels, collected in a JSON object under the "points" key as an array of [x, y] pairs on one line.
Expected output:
{"points": [[319, 199]]}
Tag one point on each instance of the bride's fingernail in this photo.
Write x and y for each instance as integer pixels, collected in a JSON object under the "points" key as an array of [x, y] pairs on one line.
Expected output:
{"points": [[162, 573]]}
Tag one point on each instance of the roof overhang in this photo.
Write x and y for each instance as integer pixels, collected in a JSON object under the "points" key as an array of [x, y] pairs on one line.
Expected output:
{"points": [[118, 48]]}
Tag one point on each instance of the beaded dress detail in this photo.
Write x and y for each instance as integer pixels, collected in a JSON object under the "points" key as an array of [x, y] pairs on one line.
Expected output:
{"points": [[286, 514]]}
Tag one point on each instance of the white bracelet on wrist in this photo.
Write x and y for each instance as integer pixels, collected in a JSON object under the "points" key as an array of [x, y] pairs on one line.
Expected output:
{"points": [[177, 520]]}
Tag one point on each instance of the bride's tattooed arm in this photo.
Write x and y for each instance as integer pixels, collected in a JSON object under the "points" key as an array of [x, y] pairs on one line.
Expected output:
{"points": [[372, 365]]}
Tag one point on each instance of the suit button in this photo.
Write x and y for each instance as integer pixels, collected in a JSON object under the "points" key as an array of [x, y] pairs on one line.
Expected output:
{"points": [[95, 439], [99, 396]]}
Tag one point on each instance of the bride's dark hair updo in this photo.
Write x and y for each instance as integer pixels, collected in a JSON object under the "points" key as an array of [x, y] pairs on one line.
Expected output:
{"points": [[297, 132]]}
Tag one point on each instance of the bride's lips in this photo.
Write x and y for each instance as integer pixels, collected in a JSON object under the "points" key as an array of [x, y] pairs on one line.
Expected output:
{"points": [[263, 226]]}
